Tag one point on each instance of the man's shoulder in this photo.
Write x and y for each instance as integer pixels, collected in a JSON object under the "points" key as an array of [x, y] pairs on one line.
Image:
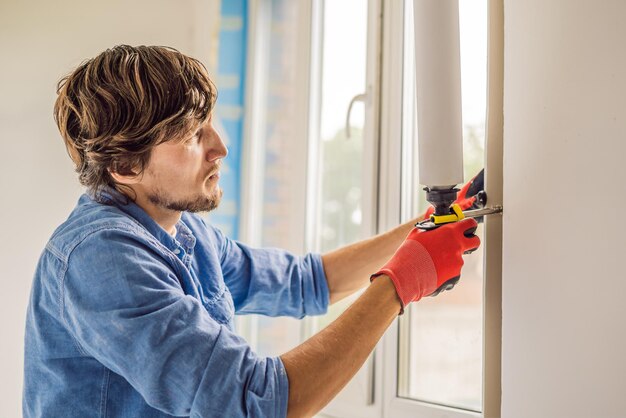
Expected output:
{"points": [[90, 218]]}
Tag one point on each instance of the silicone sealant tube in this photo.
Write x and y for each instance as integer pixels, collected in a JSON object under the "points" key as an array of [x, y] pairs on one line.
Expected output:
{"points": [[438, 83]]}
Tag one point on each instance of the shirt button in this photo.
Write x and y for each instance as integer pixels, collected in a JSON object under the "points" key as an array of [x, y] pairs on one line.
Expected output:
{"points": [[177, 251]]}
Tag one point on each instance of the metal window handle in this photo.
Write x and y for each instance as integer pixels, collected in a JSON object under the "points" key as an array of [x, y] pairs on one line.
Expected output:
{"points": [[358, 98]]}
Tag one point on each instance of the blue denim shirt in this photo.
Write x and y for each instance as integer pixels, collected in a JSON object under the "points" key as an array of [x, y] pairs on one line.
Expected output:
{"points": [[125, 320]]}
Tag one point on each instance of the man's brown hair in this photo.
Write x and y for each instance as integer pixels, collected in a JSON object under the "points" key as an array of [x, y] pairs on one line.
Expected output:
{"points": [[114, 108]]}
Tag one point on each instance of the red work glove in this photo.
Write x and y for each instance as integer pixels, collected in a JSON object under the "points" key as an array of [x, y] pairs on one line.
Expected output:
{"points": [[429, 261], [472, 189]]}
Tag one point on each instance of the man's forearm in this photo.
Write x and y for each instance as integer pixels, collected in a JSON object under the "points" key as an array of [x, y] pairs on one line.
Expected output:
{"points": [[348, 268], [321, 366]]}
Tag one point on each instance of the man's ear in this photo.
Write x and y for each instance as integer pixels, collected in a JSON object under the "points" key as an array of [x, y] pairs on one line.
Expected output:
{"points": [[124, 175]]}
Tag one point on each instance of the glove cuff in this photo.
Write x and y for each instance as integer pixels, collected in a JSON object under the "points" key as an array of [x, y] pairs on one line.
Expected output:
{"points": [[414, 276]]}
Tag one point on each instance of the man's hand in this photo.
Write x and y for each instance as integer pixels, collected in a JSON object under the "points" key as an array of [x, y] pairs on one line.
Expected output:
{"points": [[471, 196], [348, 268], [428, 260]]}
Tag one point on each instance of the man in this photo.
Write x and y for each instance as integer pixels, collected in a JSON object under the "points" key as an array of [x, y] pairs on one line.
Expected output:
{"points": [[132, 304]]}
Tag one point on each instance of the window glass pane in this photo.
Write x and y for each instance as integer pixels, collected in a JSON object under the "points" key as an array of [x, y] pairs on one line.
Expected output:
{"points": [[343, 77], [339, 209], [341, 159], [442, 353]]}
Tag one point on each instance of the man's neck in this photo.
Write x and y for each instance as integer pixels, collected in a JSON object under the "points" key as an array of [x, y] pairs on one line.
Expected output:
{"points": [[166, 218]]}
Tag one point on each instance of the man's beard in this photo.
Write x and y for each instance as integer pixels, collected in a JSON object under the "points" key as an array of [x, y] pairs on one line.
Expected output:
{"points": [[200, 203]]}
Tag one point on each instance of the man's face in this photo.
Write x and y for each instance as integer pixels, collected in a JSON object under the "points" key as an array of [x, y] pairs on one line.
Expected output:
{"points": [[183, 175]]}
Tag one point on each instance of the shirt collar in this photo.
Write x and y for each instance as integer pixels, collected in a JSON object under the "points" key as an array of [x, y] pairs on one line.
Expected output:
{"points": [[184, 236]]}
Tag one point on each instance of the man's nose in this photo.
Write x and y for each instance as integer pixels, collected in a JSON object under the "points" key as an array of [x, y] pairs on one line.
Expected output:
{"points": [[218, 149]]}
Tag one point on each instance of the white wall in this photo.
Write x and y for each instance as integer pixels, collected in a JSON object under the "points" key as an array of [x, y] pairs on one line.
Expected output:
{"points": [[564, 284], [40, 42]]}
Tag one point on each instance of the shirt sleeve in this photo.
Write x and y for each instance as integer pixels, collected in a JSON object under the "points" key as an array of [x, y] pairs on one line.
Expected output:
{"points": [[271, 281], [126, 308]]}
